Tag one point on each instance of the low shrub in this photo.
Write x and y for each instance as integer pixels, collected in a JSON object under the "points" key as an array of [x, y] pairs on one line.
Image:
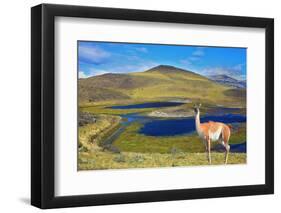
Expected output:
{"points": [[120, 158], [137, 159]]}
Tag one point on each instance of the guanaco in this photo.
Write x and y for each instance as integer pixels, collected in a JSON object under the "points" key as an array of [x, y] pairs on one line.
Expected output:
{"points": [[212, 131]]}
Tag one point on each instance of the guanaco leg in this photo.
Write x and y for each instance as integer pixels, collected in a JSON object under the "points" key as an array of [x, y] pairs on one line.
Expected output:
{"points": [[226, 147], [209, 150]]}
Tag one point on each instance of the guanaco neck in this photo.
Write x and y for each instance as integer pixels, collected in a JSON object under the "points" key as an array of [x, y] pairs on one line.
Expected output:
{"points": [[197, 121]]}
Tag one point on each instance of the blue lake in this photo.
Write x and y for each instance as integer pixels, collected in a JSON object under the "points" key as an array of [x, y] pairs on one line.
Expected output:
{"points": [[242, 147], [148, 105], [172, 127], [163, 127]]}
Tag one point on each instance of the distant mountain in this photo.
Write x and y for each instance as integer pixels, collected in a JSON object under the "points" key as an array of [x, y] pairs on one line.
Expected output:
{"points": [[161, 82], [228, 81]]}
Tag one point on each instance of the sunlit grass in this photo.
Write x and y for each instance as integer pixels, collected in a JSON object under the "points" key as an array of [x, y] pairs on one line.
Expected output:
{"points": [[106, 160]]}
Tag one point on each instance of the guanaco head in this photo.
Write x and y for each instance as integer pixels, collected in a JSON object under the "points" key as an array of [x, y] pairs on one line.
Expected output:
{"points": [[196, 108]]}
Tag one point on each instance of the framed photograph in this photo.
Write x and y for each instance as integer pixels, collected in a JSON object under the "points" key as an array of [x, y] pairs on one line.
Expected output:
{"points": [[139, 106]]}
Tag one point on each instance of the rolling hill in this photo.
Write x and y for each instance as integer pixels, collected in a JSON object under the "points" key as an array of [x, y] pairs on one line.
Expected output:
{"points": [[158, 83]]}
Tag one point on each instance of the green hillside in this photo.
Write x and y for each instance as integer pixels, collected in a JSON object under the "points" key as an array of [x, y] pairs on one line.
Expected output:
{"points": [[159, 83]]}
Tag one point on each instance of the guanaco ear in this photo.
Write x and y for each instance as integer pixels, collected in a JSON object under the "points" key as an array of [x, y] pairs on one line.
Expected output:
{"points": [[199, 105]]}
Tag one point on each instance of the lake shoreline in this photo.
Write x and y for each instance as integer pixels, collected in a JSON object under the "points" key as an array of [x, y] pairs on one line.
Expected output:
{"points": [[160, 114]]}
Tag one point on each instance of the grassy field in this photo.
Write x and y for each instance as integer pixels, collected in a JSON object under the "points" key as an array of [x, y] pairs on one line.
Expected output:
{"points": [[107, 160], [131, 141], [134, 150]]}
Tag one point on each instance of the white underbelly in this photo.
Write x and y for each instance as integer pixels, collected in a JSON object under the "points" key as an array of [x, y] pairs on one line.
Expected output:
{"points": [[201, 134], [214, 136]]}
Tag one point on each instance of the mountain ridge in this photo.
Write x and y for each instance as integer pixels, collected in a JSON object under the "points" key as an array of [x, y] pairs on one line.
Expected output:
{"points": [[168, 68], [227, 80]]}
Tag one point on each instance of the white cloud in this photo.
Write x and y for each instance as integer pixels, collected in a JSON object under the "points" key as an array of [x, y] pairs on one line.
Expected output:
{"points": [[186, 61], [194, 57], [142, 49], [95, 72], [199, 52], [135, 67], [238, 67], [123, 69], [81, 74], [93, 54], [92, 72]]}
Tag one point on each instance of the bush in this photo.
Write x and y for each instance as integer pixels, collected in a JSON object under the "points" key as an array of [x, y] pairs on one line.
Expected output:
{"points": [[92, 138], [137, 159], [82, 160], [79, 144], [86, 118], [120, 158], [83, 149]]}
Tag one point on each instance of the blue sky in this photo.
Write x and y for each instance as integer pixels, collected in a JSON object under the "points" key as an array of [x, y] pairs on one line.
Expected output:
{"points": [[96, 58]]}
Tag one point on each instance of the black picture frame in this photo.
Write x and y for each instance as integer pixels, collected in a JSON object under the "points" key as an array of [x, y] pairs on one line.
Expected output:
{"points": [[43, 110]]}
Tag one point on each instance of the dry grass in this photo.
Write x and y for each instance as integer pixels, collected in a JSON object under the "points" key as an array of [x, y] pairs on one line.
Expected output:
{"points": [[106, 160]]}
